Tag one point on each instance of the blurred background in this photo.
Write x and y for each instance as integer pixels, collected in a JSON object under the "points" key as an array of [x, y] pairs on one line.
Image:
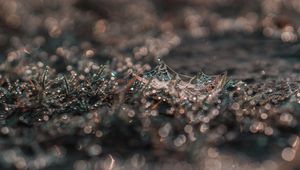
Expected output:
{"points": [[187, 34], [254, 41]]}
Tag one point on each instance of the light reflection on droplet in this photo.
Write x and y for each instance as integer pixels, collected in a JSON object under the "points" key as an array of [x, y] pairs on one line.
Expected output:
{"points": [[138, 161], [180, 140], [164, 130], [288, 154], [94, 150]]}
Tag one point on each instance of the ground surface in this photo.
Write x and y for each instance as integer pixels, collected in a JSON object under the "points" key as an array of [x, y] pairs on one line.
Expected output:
{"points": [[77, 91]]}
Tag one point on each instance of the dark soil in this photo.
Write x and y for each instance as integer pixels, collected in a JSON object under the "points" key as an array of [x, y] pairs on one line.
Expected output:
{"points": [[77, 84]]}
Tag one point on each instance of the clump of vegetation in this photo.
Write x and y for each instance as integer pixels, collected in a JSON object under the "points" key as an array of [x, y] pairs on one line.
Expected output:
{"points": [[80, 87], [47, 116]]}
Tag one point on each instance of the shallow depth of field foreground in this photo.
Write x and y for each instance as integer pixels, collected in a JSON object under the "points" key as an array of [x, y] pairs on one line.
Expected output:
{"points": [[150, 84]]}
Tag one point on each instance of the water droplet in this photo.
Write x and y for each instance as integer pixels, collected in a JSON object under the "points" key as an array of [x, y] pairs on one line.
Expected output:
{"points": [[180, 140], [45, 117], [235, 106], [164, 130], [94, 150], [212, 152], [98, 134], [188, 129], [80, 165], [4, 130], [288, 154], [87, 129], [263, 116], [203, 128], [138, 161]]}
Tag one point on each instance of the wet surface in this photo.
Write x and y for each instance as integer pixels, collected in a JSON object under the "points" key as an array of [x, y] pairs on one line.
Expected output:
{"points": [[77, 90], [255, 54]]}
